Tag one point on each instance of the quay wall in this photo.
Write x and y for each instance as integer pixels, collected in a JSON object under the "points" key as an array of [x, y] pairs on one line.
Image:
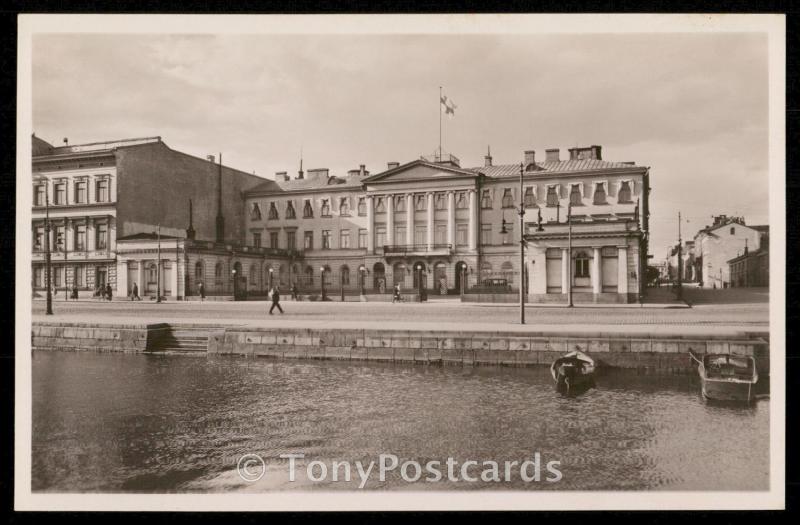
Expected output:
{"points": [[667, 353]]}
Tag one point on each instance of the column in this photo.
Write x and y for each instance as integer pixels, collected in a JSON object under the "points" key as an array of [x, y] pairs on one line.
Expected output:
{"points": [[122, 279], [370, 226], [597, 277], [389, 219], [141, 283], [451, 219], [565, 270], [430, 221], [473, 221], [409, 219], [622, 270]]}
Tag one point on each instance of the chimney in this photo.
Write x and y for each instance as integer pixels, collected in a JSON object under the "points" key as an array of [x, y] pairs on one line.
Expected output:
{"points": [[318, 173], [586, 153], [353, 173], [487, 160], [210, 158], [282, 176], [362, 169], [300, 173], [530, 158], [552, 155], [392, 165]]}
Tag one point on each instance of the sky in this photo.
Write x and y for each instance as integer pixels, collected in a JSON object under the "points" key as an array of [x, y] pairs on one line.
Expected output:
{"points": [[692, 107]]}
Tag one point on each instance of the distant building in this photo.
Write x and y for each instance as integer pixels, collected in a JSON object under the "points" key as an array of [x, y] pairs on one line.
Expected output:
{"points": [[715, 245], [752, 267]]}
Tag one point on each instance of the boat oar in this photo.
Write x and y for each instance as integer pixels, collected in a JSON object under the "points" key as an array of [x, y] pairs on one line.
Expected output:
{"points": [[691, 354]]}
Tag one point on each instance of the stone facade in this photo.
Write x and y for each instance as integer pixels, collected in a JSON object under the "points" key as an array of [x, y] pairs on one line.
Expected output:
{"points": [[715, 245]]}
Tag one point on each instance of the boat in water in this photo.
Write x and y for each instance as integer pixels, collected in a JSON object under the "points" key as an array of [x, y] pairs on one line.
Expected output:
{"points": [[727, 377], [573, 372]]}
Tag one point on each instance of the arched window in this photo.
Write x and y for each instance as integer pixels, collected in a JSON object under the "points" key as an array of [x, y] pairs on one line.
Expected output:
{"points": [[253, 277], [582, 265], [599, 193], [198, 270], [345, 275], [399, 271], [624, 195], [326, 275], [575, 197]]}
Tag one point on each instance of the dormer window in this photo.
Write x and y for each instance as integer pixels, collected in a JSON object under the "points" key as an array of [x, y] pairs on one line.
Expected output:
{"points": [[624, 195], [344, 207], [308, 211], [290, 213], [508, 198], [325, 209], [255, 212], [273, 211]]}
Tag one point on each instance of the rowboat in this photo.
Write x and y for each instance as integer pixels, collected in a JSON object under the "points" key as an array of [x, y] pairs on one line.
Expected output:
{"points": [[573, 372], [726, 377]]}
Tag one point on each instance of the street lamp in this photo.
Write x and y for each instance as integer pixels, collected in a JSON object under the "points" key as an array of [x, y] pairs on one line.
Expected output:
{"points": [[233, 274], [270, 278], [322, 282], [362, 272], [418, 268], [463, 279]]}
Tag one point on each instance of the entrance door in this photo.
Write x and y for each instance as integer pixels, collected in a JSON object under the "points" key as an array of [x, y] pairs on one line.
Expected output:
{"points": [[100, 277], [440, 278], [133, 277]]}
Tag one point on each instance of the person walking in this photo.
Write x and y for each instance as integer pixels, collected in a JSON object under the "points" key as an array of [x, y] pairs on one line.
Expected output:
{"points": [[396, 296], [75, 292], [202, 290], [135, 292], [276, 298], [108, 291], [295, 295]]}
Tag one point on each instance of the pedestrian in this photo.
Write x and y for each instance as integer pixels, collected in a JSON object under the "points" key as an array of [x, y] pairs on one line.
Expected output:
{"points": [[75, 292], [108, 291], [396, 296], [275, 294], [202, 290], [135, 293], [295, 295]]}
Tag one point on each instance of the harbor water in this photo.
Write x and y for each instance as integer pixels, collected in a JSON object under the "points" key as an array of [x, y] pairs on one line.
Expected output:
{"points": [[173, 423]]}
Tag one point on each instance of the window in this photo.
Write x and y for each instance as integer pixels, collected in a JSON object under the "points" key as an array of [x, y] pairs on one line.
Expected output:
{"points": [[272, 214], [217, 271], [380, 235], [101, 240], [486, 234], [624, 195], [38, 195], [101, 191], [461, 234], [290, 213], [733, 230], [326, 275], [198, 270], [599, 193], [439, 202], [309, 271], [575, 197], [582, 265], [400, 203], [344, 239], [362, 238], [38, 238], [420, 234], [440, 234], [308, 211], [56, 272], [80, 238], [508, 238], [291, 240], [60, 193], [77, 276], [345, 275], [380, 206], [326, 239], [38, 277], [419, 202], [461, 201], [308, 240], [325, 210], [552, 196], [508, 198], [344, 207], [400, 234], [486, 200], [257, 239], [255, 212], [273, 240], [80, 192], [60, 239], [362, 206], [530, 197]]}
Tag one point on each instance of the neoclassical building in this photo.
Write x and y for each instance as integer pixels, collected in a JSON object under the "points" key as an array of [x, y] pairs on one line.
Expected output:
{"points": [[431, 223]]}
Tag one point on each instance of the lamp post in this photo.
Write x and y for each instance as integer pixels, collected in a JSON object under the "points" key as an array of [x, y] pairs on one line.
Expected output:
{"points": [[680, 260], [418, 269], [362, 273], [463, 278], [270, 278], [322, 282]]}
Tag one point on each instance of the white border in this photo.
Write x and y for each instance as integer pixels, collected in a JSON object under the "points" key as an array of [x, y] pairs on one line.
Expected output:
{"points": [[774, 25]]}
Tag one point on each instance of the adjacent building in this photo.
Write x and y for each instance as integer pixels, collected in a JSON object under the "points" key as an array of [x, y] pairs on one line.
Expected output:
{"points": [[752, 267], [725, 239]]}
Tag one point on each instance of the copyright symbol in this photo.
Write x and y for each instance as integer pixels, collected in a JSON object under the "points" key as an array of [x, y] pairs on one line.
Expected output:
{"points": [[251, 467]]}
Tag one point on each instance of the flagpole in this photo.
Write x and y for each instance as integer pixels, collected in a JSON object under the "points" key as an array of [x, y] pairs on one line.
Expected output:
{"points": [[440, 123]]}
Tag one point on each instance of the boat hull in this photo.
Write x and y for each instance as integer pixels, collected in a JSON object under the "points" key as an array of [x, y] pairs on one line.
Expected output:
{"points": [[727, 391]]}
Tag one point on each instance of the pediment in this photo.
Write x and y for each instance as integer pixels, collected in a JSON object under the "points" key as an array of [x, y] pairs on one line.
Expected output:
{"points": [[419, 170]]}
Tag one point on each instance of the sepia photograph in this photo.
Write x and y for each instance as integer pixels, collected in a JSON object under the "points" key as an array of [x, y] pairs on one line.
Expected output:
{"points": [[328, 262]]}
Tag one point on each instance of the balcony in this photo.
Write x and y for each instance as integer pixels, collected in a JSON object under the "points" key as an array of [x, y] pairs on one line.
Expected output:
{"points": [[402, 250]]}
